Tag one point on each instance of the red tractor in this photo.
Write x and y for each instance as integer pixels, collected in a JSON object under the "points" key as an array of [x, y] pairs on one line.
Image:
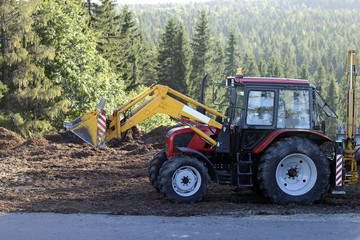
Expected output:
{"points": [[270, 140]]}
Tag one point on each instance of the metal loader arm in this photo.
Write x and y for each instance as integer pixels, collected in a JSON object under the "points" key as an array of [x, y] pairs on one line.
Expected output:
{"points": [[95, 129], [160, 101]]}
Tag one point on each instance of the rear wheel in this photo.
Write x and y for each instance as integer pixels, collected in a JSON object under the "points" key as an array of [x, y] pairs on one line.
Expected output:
{"points": [[154, 168], [294, 170], [184, 179]]}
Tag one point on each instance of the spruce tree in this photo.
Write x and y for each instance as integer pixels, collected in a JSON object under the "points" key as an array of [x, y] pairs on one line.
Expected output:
{"points": [[304, 72], [173, 56], [262, 67], [289, 68], [278, 69], [231, 55], [106, 23], [271, 66], [251, 68], [166, 57], [201, 47], [181, 55], [274, 67], [320, 76], [218, 64], [32, 99], [129, 41]]}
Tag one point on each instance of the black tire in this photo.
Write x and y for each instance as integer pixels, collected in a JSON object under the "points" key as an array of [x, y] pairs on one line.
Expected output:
{"points": [[184, 179], [154, 168], [294, 170]]}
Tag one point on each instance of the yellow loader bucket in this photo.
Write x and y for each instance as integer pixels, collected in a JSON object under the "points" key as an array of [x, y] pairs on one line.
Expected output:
{"points": [[90, 127]]}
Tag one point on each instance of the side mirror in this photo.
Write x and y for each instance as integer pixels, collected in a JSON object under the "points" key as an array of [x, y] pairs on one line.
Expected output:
{"points": [[215, 95], [323, 126]]}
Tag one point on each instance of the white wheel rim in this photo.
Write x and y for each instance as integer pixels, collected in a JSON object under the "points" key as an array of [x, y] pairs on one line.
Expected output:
{"points": [[296, 174], [186, 181]]}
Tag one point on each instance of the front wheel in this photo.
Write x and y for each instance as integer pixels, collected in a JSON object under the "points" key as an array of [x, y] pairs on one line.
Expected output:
{"points": [[184, 179], [294, 170], [154, 168]]}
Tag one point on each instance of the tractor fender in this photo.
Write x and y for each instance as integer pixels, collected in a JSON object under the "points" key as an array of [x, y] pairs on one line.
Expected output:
{"points": [[317, 137], [204, 159]]}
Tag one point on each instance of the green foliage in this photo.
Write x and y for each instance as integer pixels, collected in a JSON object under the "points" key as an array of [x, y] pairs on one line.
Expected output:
{"points": [[262, 67], [320, 76], [32, 99], [231, 55], [3, 90], [304, 72], [200, 62], [173, 56], [250, 66], [77, 66]]}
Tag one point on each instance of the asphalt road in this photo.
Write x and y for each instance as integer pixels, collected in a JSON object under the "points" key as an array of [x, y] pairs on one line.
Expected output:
{"points": [[38, 226]]}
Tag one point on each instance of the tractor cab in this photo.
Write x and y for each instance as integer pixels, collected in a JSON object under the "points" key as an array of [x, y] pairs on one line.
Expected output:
{"points": [[272, 106]]}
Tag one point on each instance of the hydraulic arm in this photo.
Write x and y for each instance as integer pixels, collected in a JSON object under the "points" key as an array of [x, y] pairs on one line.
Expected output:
{"points": [[96, 130]]}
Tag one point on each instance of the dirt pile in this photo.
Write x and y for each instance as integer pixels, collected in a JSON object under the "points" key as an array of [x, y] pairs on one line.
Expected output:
{"points": [[60, 173], [9, 139]]}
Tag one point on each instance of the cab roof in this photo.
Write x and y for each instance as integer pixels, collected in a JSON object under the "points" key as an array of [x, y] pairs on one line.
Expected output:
{"points": [[269, 80]]}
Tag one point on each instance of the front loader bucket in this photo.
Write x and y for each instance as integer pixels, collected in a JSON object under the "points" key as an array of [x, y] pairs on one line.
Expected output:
{"points": [[90, 127]]}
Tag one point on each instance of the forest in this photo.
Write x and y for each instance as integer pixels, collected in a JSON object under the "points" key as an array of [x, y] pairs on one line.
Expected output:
{"points": [[58, 58]]}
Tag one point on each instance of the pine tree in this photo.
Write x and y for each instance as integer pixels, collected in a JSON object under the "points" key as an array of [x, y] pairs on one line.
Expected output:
{"points": [[32, 99], [173, 56], [231, 55], [331, 95], [271, 66], [289, 68], [218, 64], [182, 56], [278, 69], [201, 47], [106, 24], [166, 58], [274, 67], [251, 68], [262, 67], [320, 76], [131, 51], [304, 72]]}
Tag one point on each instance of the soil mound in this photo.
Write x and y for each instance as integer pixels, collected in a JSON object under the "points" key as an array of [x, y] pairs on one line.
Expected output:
{"points": [[36, 142], [157, 136], [9, 139], [63, 138]]}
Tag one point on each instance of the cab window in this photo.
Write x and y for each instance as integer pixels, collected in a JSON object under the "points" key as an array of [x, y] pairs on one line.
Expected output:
{"points": [[260, 110]]}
